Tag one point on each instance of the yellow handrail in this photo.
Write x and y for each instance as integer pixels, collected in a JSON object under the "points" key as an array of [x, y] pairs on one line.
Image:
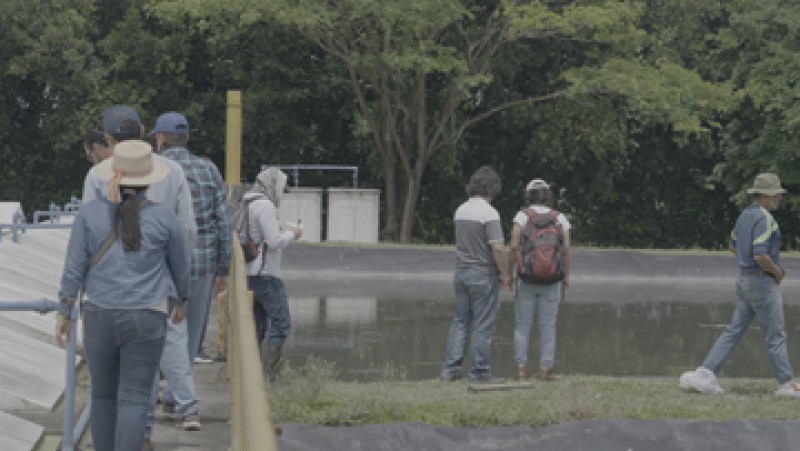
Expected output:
{"points": [[251, 419]]}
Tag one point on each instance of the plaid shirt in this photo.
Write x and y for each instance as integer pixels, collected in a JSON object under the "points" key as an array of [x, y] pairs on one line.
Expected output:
{"points": [[212, 248]]}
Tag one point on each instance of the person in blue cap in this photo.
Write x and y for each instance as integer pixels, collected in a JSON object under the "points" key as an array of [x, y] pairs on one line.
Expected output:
{"points": [[211, 255]]}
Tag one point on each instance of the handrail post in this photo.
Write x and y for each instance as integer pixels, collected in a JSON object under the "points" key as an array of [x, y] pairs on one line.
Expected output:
{"points": [[68, 440], [233, 169], [233, 139]]}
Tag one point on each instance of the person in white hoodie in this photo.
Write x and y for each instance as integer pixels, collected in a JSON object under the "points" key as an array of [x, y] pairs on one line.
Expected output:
{"points": [[270, 299]]}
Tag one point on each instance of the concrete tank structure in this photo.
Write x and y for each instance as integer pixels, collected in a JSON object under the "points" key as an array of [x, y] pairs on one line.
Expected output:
{"points": [[353, 215], [303, 204]]}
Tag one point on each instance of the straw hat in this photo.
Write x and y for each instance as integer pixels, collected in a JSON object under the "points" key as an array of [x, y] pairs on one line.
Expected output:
{"points": [[133, 160], [766, 183]]}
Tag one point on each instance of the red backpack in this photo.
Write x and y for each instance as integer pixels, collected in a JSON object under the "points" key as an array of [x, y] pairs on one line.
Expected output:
{"points": [[542, 257]]}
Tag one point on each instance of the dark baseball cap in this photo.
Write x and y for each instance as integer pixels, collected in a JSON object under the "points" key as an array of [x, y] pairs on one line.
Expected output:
{"points": [[121, 119]]}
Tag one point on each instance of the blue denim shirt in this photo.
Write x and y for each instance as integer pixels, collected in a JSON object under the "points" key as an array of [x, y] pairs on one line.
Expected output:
{"points": [[126, 280]]}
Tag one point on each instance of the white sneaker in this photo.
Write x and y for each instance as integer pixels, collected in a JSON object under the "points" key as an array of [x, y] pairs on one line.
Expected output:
{"points": [[700, 380], [791, 389]]}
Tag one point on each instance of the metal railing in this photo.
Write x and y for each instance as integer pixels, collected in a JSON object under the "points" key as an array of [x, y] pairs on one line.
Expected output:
{"points": [[72, 431], [250, 412], [296, 168], [55, 213]]}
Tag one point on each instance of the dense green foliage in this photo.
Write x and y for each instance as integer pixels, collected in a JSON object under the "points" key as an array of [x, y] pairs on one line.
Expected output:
{"points": [[649, 117]]}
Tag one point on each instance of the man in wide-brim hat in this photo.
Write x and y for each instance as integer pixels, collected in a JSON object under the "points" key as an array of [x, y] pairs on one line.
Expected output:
{"points": [[756, 241]]}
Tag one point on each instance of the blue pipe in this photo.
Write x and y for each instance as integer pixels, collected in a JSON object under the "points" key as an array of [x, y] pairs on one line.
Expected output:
{"points": [[42, 306], [83, 421], [68, 440]]}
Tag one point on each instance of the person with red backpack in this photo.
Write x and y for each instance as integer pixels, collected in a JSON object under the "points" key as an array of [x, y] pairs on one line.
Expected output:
{"points": [[540, 252]]}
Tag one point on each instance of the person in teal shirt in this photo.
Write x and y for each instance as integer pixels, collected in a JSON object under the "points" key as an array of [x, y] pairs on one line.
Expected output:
{"points": [[756, 242]]}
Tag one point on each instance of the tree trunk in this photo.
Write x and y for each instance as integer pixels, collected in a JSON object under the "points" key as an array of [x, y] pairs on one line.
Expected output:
{"points": [[390, 228], [410, 207]]}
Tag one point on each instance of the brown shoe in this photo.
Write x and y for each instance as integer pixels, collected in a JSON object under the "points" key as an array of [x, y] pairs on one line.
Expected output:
{"points": [[547, 374], [521, 376], [277, 429]]}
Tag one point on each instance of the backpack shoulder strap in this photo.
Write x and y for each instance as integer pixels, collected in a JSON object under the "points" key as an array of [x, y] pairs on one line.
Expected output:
{"points": [[104, 247], [247, 217]]}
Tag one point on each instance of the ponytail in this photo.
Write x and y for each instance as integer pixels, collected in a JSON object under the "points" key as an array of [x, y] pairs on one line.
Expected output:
{"points": [[127, 221]]}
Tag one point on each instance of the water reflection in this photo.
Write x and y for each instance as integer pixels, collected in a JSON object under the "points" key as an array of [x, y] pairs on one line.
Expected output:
{"points": [[367, 336]]}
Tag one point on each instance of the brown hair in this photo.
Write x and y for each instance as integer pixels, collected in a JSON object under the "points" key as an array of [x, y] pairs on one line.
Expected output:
{"points": [[127, 221], [484, 182]]}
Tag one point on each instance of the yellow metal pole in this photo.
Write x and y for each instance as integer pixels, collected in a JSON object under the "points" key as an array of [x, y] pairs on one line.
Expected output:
{"points": [[233, 139], [233, 177]]}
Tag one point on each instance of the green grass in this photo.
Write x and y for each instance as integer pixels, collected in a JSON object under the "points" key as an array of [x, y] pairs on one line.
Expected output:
{"points": [[311, 395]]}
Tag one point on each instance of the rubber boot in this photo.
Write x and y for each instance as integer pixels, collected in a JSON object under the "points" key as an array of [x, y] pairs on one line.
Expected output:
{"points": [[271, 360]]}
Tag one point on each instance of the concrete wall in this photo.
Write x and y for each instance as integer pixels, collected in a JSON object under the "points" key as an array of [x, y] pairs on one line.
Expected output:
{"points": [[304, 204], [7, 210], [353, 215]]}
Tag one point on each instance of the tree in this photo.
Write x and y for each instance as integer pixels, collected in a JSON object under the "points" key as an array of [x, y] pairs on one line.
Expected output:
{"points": [[47, 72]]}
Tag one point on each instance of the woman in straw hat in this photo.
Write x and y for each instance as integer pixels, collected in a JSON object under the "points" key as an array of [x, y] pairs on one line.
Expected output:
{"points": [[131, 258]]}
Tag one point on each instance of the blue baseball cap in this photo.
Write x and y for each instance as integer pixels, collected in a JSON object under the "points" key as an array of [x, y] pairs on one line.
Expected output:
{"points": [[172, 123]]}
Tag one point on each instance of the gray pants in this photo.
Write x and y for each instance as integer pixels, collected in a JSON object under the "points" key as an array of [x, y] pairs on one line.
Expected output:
{"points": [[197, 312]]}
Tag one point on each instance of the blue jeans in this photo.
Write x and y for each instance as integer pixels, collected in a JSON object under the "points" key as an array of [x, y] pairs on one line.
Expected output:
{"points": [[123, 348], [758, 297], [476, 305], [530, 299], [270, 308], [177, 369]]}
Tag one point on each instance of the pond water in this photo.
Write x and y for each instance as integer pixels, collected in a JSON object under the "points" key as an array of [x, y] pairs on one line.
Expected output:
{"points": [[369, 338]]}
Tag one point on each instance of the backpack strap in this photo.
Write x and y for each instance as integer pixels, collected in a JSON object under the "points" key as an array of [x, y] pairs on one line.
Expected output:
{"points": [[532, 214], [247, 218], [104, 247], [247, 233]]}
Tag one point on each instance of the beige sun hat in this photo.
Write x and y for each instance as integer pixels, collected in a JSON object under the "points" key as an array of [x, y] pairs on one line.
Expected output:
{"points": [[133, 159], [766, 183]]}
